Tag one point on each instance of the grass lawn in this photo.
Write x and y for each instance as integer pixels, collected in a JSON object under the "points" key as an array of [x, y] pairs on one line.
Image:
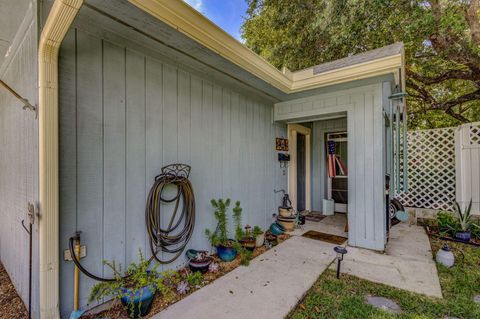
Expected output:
{"points": [[345, 298]]}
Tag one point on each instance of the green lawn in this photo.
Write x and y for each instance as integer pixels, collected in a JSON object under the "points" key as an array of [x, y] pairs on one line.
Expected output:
{"points": [[344, 298]]}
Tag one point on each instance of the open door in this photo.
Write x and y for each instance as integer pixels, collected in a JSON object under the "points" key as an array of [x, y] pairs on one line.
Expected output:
{"points": [[299, 170]]}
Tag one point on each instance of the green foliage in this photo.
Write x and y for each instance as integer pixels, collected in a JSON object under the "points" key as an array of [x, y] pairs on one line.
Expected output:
{"points": [[345, 298], [245, 254], [257, 231], [137, 276], [220, 235], [237, 218], [194, 279], [442, 46], [447, 222], [464, 217]]}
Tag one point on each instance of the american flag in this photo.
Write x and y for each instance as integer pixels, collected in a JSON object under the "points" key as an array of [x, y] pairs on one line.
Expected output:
{"points": [[333, 160]]}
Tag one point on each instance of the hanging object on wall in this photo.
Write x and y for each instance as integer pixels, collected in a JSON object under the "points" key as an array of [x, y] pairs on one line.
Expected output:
{"points": [[281, 144], [333, 161]]}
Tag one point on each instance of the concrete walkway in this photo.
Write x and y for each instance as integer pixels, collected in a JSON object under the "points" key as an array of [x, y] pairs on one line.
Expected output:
{"points": [[406, 264], [276, 280], [269, 288]]}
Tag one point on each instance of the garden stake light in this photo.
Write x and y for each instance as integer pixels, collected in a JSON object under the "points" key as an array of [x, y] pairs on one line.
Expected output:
{"points": [[340, 252]]}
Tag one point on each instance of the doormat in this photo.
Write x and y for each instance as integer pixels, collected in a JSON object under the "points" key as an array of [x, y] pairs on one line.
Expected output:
{"points": [[332, 239], [313, 216]]}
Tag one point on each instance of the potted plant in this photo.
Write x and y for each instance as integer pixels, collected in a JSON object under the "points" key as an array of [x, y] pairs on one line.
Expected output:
{"points": [[219, 238], [137, 287], [259, 236], [465, 222], [200, 262], [248, 240]]}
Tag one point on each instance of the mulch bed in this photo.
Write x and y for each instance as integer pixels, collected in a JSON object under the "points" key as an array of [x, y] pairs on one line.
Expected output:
{"points": [[117, 311], [11, 306]]}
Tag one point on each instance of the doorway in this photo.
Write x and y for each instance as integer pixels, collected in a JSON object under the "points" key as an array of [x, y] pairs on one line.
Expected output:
{"points": [[299, 170]]}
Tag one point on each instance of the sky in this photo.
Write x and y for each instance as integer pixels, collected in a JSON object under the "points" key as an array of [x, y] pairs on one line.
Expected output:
{"points": [[227, 14]]}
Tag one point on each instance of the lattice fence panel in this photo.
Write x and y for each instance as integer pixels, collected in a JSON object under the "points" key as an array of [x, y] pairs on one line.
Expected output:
{"points": [[431, 169], [475, 133]]}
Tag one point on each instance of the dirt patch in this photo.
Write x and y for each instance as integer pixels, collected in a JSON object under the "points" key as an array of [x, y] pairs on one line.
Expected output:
{"points": [[11, 306]]}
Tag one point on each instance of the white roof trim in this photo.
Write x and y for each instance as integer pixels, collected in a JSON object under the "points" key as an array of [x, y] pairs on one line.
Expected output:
{"points": [[190, 22]]}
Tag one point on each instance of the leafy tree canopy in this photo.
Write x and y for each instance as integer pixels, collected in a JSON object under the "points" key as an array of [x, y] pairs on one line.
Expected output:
{"points": [[441, 37]]}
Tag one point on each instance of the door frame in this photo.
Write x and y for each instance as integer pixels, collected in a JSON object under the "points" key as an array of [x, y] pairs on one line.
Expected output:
{"points": [[293, 129]]}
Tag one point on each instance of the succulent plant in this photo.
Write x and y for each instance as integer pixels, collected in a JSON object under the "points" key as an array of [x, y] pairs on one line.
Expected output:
{"points": [[213, 267], [183, 288]]}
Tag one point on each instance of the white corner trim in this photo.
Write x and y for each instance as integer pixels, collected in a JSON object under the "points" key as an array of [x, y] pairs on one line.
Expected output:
{"points": [[58, 22]]}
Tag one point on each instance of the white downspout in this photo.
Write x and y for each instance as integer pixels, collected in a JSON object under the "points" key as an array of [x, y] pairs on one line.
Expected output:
{"points": [[58, 22]]}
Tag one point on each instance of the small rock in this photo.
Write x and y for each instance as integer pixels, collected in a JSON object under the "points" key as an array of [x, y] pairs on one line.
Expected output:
{"points": [[476, 298], [384, 304]]}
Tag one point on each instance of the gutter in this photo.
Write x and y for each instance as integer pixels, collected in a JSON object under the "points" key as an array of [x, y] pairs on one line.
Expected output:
{"points": [[59, 20]]}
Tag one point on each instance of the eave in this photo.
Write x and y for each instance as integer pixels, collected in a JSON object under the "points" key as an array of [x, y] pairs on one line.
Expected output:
{"points": [[193, 24]]}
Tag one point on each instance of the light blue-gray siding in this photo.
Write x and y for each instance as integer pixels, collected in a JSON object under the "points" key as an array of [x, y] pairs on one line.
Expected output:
{"points": [[19, 151], [125, 114]]}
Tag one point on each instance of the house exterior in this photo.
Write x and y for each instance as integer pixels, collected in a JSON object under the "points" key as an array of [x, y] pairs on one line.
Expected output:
{"points": [[124, 88]]}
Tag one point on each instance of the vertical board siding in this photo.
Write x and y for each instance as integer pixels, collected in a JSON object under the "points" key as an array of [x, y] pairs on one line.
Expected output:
{"points": [[18, 158], [125, 115], [366, 146], [90, 155]]}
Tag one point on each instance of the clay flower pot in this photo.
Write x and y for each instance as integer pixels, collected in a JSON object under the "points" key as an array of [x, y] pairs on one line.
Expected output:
{"points": [[287, 222], [248, 243]]}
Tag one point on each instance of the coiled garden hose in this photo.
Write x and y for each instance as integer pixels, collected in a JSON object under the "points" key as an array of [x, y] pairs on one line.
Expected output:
{"points": [[168, 240], [174, 238]]}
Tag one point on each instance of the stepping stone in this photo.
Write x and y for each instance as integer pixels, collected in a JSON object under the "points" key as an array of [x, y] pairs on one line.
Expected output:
{"points": [[384, 303], [476, 298]]}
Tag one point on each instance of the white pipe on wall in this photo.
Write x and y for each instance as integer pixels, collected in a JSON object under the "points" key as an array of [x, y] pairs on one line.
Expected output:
{"points": [[58, 22]]}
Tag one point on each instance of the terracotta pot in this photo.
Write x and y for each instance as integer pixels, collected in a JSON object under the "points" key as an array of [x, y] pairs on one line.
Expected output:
{"points": [[260, 240], [287, 222], [285, 211]]}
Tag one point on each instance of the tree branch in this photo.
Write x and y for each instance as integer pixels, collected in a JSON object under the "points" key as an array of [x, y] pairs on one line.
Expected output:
{"points": [[448, 75], [471, 15]]}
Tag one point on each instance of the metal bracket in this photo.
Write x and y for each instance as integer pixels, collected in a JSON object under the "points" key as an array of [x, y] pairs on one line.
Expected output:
{"points": [[26, 103], [31, 217]]}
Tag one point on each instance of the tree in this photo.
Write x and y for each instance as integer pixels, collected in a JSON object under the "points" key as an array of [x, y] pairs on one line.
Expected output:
{"points": [[441, 37]]}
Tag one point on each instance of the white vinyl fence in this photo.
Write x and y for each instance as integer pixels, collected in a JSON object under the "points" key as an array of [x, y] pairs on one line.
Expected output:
{"points": [[467, 150], [431, 169], [443, 167]]}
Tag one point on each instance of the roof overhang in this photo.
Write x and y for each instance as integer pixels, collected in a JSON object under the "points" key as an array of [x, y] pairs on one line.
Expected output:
{"points": [[193, 24]]}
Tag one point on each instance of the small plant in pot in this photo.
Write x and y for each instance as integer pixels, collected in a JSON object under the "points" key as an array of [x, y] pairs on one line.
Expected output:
{"points": [[200, 262], [259, 236], [225, 246], [248, 239], [463, 233], [137, 287]]}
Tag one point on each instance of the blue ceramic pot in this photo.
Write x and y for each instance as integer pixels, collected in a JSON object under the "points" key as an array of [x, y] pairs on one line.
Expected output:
{"points": [[463, 236], [226, 253], [276, 229], [138, 303]]}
